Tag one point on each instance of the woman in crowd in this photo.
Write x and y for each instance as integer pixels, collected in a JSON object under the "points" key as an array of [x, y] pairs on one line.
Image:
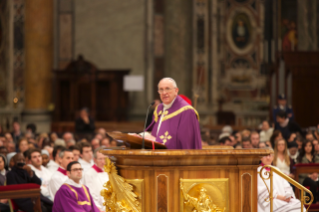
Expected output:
{"points": [[275, 136], [316, 146], [307, 156], [284, 199], [23, 145], [281, 158]]}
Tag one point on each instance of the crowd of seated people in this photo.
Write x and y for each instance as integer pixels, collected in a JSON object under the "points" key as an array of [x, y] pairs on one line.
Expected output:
{"points": [[43, 159], [290, 143]]}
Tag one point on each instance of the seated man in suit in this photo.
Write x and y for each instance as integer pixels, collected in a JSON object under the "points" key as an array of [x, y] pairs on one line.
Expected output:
{"points": [[22, 174]]}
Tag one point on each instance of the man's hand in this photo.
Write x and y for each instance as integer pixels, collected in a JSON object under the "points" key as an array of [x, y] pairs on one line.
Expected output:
{"points": [[280, 197], [291, 175], [314, 176], [86, 119], [28, 169]]}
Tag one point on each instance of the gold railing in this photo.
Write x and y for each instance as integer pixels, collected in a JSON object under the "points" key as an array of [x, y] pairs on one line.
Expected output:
{"points": [[269, 175]]}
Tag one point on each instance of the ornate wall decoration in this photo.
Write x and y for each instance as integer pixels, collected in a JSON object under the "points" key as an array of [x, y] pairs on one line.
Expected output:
{"points": [[119, 195], [241, 33], [204, 195]]}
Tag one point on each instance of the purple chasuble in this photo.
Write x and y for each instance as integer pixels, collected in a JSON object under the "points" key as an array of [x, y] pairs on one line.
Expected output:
{"points": [[70, 198], [179, 128]]}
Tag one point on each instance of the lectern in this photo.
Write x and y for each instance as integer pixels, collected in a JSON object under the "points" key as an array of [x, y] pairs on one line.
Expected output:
{"points": [[216, 180]]}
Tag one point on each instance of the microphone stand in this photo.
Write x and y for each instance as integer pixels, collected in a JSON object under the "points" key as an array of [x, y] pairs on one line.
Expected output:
{"points": [[143, 142]]}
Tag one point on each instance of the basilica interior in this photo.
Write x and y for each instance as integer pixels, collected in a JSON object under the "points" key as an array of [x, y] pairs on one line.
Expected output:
{"points": [[249, 70]]}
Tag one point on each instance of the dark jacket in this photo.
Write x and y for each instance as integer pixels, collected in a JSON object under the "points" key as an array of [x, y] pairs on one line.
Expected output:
{"points": [[82, 127], [292, 127], [21, 176]]}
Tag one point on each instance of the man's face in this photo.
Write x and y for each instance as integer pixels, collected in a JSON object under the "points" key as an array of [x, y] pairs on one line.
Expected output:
{"points": [[8, 137], [67, 137], [45, 160], [11, 147], [4, 151], [293, 150], [76, 154], [18, 160], [246, 144], [67, 158], [36, 159], [261, 145], [76, 172], [100, 160], [105, 142], [282, 102], [280, 120], [265, 126], [95, 143], [254, 140], [87, 154], [167, 91], [16, 126], [299, 144]]}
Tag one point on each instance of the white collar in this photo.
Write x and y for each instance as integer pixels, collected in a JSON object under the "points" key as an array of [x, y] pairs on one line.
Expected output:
{"points": [[168, 106], [72, 183], [3, 172]]}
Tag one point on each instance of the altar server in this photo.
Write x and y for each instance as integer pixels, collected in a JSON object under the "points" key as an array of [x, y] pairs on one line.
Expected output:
{"points": [[175, 122], [53, 165], [60, 176], [96, 177], [284, 198], [86, 154], [42, 173], [72, 195]]}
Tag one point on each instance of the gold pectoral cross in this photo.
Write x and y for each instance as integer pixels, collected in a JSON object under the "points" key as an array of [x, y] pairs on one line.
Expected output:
{"points": [[165, 137]]}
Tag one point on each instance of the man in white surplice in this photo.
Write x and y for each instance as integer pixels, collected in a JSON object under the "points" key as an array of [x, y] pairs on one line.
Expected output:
{"points": [[60, 175], [86, 154], [284, 198], [42, 173], [95, 177]]}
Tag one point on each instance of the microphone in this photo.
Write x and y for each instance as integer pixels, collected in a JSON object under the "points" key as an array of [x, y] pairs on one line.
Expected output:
{"points": [[143, 142]]}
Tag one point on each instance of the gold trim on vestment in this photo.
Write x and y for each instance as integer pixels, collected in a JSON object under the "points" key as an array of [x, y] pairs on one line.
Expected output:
{"points": [[76, 195], [177, 112]]}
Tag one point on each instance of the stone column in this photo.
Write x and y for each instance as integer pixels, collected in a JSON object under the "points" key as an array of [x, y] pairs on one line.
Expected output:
{"points": [[178, 43], [39, 63]]}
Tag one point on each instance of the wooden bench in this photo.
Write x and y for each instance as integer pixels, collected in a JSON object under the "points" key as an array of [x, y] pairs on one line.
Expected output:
{"points": [[302, 169], [30, 190]]}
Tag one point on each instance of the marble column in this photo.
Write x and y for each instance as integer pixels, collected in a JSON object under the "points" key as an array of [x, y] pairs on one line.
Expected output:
{"points": [[178, 43], [39, 62]]}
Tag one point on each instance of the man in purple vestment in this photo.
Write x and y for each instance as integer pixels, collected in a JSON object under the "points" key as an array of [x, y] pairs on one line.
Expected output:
{"points": [[72, 195], [175, 122]]}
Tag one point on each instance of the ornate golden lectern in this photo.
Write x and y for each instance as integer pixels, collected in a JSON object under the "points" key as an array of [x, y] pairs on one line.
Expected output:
{"points": [[208, 180]]}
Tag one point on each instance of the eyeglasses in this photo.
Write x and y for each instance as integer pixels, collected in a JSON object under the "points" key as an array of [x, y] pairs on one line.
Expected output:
{"points": [[79, 169], [166, 90]]}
